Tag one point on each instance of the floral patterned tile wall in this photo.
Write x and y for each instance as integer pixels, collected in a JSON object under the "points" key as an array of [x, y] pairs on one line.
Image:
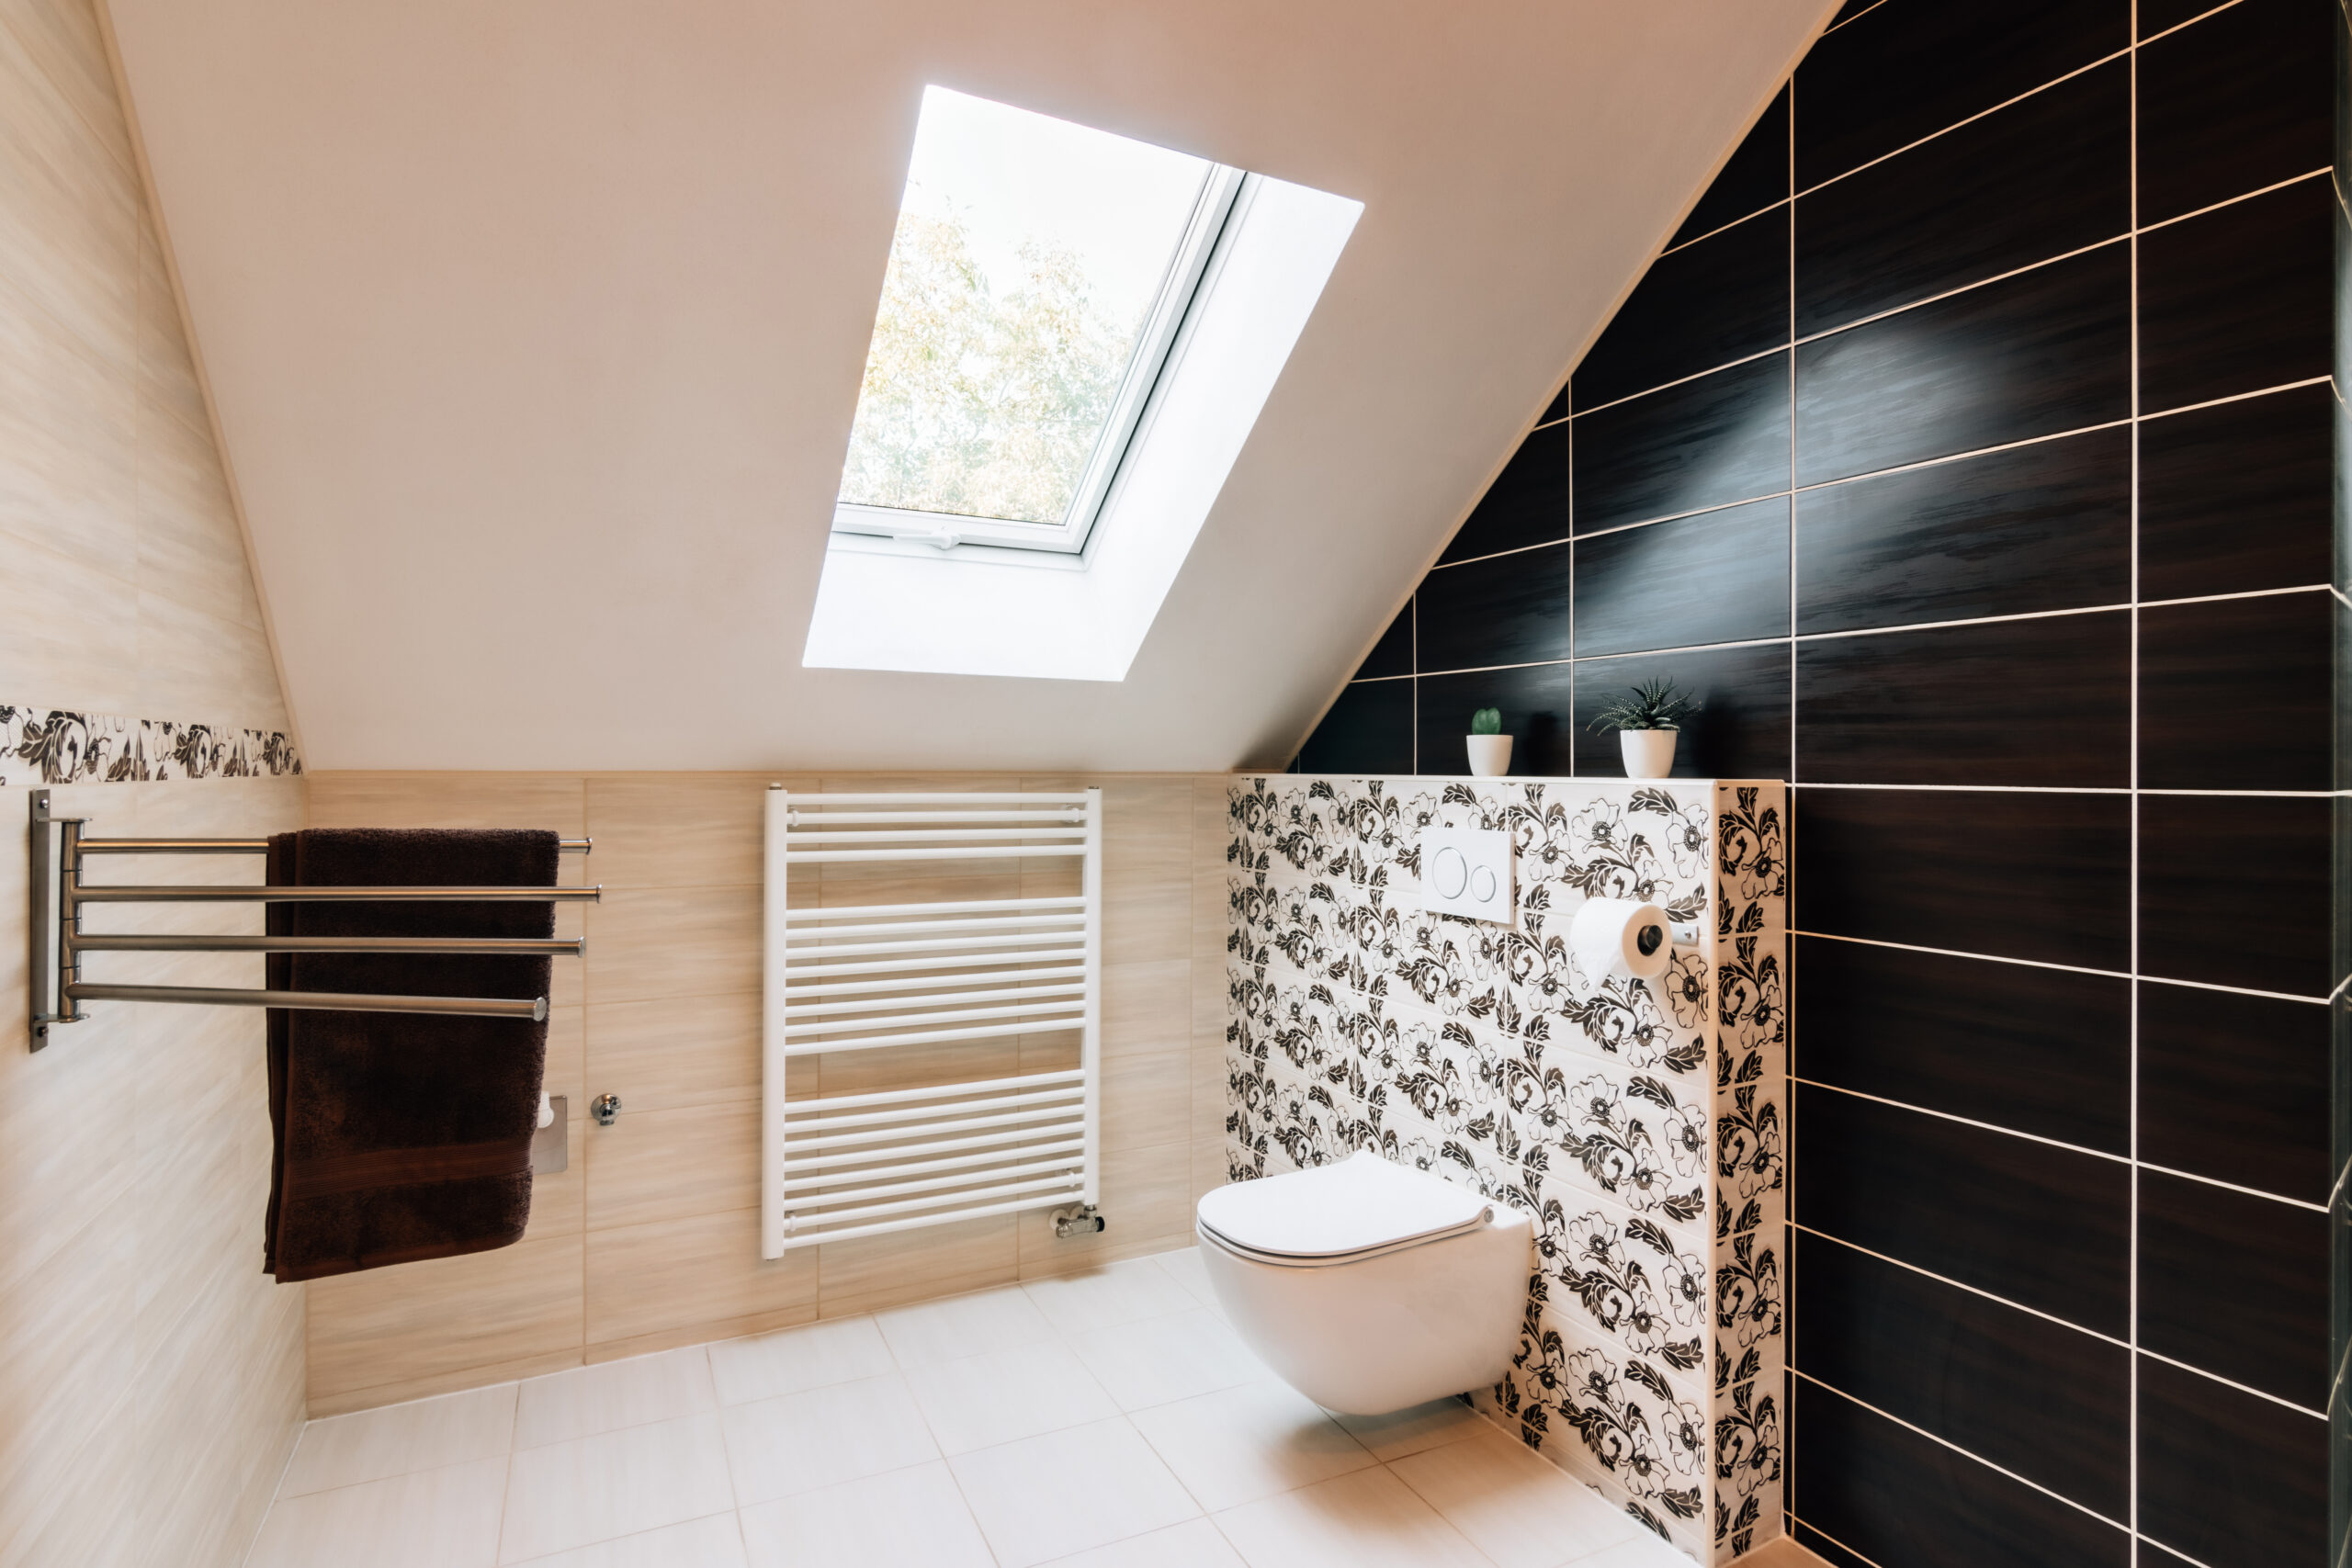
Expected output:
{"points": [[1639, 1121]]}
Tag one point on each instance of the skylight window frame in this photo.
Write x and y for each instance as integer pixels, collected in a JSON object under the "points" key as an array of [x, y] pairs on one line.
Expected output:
{"points": [[1183, 294]]}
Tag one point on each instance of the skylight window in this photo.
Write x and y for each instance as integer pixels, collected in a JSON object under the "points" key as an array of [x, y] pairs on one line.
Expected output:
{"points": [[1040, 279]]}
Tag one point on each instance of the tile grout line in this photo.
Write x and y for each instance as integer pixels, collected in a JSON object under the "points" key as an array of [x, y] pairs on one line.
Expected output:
{"points": [[2132, 869], [1789, 851], [2068, 969]]}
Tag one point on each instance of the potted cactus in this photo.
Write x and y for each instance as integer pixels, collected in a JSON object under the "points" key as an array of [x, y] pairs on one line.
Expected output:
{"points": [[1648, 720], [1490, 747]]}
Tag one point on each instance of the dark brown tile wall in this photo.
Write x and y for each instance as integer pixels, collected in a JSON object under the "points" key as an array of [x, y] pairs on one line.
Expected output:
{"points": [[1972, 450]]}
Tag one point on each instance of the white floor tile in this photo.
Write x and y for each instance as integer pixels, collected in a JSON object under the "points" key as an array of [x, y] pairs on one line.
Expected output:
{"points": [[964, 1325], [604, 1398], [981, 1401], [1047, 1497], [368, 1445], [1514, 1504], [448, 1517], [821, 1437], [1240, 1444], [716, 1541], [785, 1362], [1408, 1431], [614, 1484], [1184, 1265], [1163, 1358], [1644, 1550], [1100, 1298], [908, 1519], [1196, 1543], [1369, 1520]]}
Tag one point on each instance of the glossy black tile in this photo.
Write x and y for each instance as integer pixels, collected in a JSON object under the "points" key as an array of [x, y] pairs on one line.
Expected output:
{"points": [[2045, 1227], [2155, 1556], [2235, 498], [2227, 1477], [2040, 177], [1911, 68], [2233, 891], [2036, 876], [2243, 99], [1536, 701], [2046, 526], [2040, 1400], [1754, 177], [1820, 1545], [1718, 577], [1707, 304], [1508, 610], [1527, 505], [2238, 298], [1393, 654], [2032, 355], [2162, 16], [2238, 694], [2042, 701], [1368, 730], [2235, 1088], [1742, 732], [2040, 1051], [1721, 438], [1895, 1497], [2236, 1285]]}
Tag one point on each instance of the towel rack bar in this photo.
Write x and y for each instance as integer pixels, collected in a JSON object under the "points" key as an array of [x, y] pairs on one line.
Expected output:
{"points": [[861, 818], [812, 934], [132, 893], [904, 1020], [973, 907], [900, 965], [1053, 1155], [975, 851], [916, 1222], [234, 846], [939, 1036], [930, 944], [107, 941], [928, 982], [806, 1194], [1076, 799], [1042, 1184], [1038, 1121], [317, 1001], [1022, 1137], [836, 1122], [797, 1012], [935, 1091], [858, 837]]}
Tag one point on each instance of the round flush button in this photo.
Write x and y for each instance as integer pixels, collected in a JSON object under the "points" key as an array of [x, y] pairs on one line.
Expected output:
{"points": [[1482, 884], [1451, 872]]}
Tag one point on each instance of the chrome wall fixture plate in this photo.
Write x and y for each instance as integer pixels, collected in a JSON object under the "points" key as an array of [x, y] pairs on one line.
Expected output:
{"points": [[1467, 872]]}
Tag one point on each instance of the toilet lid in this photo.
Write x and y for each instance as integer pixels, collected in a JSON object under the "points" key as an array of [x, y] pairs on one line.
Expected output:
{"points": [[1360, 1203]]}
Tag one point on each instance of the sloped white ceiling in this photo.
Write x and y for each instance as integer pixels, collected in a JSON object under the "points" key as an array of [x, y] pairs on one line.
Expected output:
{"points": [[536, 328]]}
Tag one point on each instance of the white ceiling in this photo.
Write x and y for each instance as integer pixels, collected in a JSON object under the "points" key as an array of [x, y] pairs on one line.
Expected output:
{"points": [[535, 329]]}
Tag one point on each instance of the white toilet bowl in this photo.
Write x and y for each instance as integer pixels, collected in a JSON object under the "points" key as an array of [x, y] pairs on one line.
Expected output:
{"points": [[1368, 1285]]}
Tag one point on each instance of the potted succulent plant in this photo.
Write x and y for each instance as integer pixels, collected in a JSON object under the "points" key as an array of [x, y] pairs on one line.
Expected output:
{"points": [[1648, 722], [1490, 747]]}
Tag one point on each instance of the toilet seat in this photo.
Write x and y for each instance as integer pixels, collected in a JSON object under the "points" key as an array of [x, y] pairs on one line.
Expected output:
{"points": [[1355, 1209]]}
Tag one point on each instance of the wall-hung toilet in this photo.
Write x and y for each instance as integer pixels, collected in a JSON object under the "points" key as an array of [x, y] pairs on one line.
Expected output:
{"points": [[1369, 1286]]}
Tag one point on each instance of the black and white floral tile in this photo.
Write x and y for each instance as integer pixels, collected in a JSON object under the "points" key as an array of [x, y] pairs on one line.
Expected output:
{"points": [[53, 746], [1640, 1122]]}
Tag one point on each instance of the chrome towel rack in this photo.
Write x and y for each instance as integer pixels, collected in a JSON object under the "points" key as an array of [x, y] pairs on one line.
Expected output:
{"points": [[59, 849], [917, 977]]}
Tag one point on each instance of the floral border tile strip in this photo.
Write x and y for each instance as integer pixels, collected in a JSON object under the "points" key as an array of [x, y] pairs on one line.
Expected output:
{"points": [[1639, 1121], [57, 746]]}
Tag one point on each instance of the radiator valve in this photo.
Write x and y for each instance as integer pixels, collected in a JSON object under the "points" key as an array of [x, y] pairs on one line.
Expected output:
{"points": [[1080, 1219]]}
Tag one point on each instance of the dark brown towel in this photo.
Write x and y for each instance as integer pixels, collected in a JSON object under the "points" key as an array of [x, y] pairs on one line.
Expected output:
{"points": [[401, 1136]]}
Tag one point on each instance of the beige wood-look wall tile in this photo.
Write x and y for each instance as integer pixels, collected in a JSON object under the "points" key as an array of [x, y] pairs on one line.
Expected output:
{"points": [[912, 1066], [1146, 1199], [651, 1166], [871, 1272], [651, 942], [1209, 1169], [82, 1509], [662, 1340], [401, 1390], [692, 1273], [678, 829], [197, 666], [85, 659], [552, 802], [68, 1373], [1148, 1099], [658, 1055], [1147, 1006], [447, 1316], [1209, 1074]]}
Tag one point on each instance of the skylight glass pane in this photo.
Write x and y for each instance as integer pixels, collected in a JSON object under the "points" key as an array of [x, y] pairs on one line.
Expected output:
{"points": [[1028, 256]]}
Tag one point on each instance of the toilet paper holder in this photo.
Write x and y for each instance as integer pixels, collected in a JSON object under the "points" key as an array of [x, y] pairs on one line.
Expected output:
{"points": [[1625, 936]]}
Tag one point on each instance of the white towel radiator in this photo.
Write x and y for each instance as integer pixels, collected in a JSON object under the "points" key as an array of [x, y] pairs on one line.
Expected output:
{"points": [[895, 975]]}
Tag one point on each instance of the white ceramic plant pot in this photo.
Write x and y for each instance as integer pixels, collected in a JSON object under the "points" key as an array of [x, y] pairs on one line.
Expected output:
{"points": [[1649, 753], [1489, 756]]}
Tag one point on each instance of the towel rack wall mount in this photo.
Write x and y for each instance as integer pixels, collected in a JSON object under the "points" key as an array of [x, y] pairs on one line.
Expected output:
{"points": [[60, 849]]}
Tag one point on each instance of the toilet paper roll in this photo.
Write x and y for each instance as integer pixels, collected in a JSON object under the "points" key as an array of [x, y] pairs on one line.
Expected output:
{"points": [[1613, 935]]}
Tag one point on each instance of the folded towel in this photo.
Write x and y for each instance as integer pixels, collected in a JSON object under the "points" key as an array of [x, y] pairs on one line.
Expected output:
{"points": [[401, 1136]]}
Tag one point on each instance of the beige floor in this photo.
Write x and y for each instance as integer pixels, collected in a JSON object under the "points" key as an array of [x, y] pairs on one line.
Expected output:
{"points": [[1110, 1420]]}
